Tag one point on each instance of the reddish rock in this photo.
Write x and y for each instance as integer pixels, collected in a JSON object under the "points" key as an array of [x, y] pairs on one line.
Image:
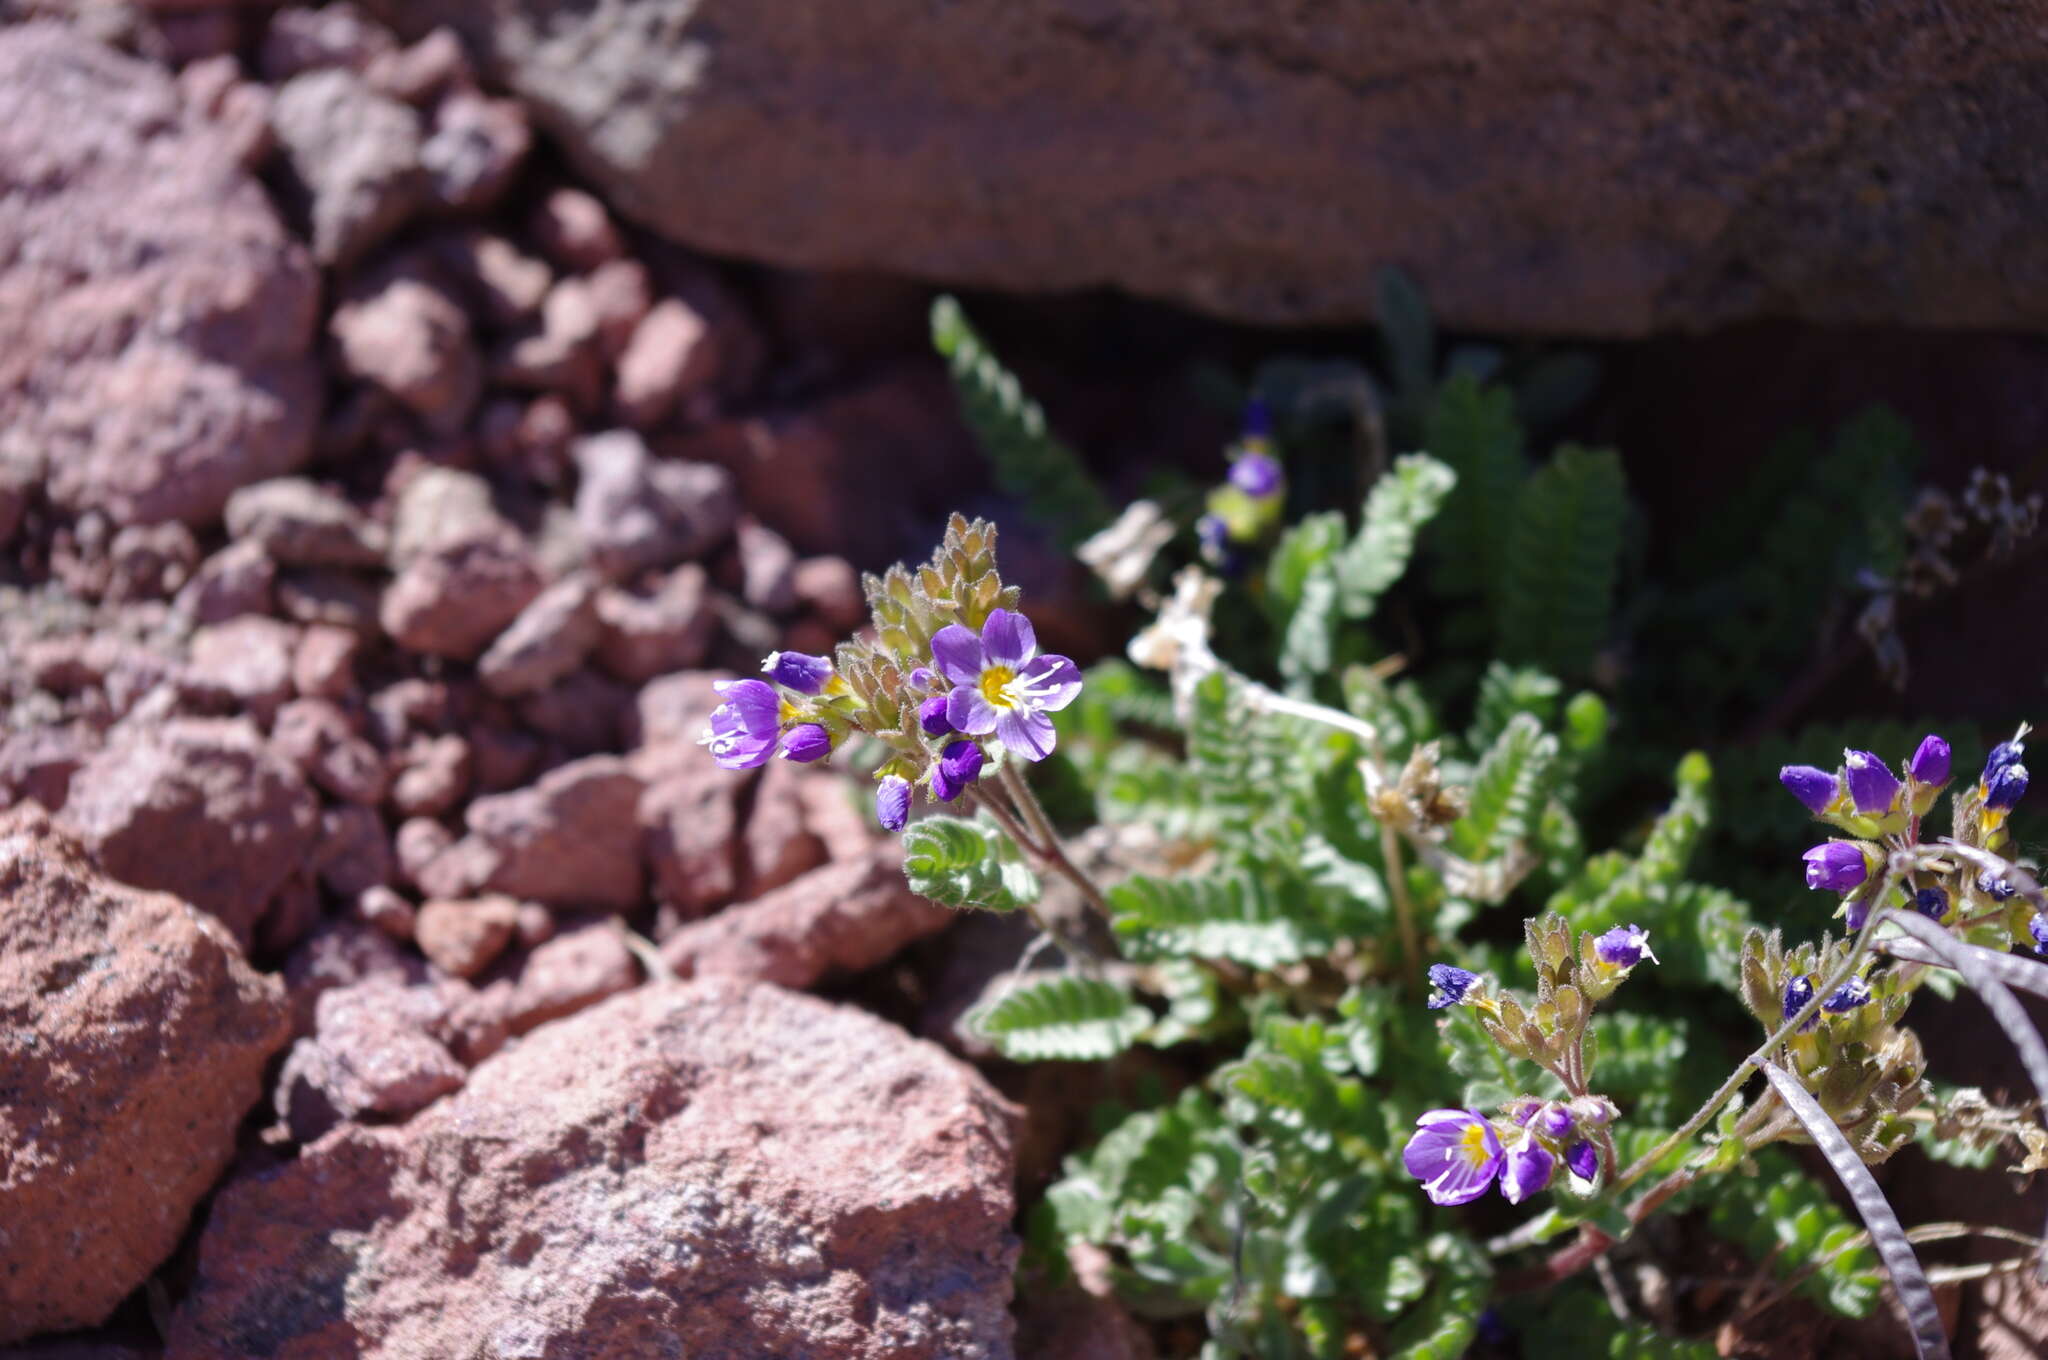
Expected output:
{"points": [[150, 562], [767, 567], [475, 150], [133, 1036], [418, 74], [324, 663], [576, 231], [433, 776], [291, 916], [239, 579], [549, 639], [307, 39], [417, 843], [839, 811], [569, 841], [156, 319], [777, 846], [384, 909], [675, 709], [369, 1059], [501, 757], [459, 870], [339, 599], [692, 822], [354, 853], [563, 354], [641, 636], [38, 762], [299, 523], [581, 714], [199, 808], [839, 919], [408, 708], [671, 358], [621, 292], [570, 972], [461, 937], [244, 663], [504, 284], [715, 1169], [357, 153], [639, 514], [537, 925], [453, 602], [409, 338], [830, 588], [316, 735], [339, 953]]}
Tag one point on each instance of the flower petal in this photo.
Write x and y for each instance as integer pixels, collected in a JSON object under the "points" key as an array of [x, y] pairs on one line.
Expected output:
{"points": [[958, 654], [1026, 734], [1051, 681], [1008, 639], [969, 712]]}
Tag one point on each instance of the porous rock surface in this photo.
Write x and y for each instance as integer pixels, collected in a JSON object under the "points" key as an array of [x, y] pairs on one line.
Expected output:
{"points": [[1566, 166], [133, 1036], [155, 318], [709, 1169]]}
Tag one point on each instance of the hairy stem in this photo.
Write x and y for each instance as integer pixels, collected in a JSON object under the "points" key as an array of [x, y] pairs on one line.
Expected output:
{"points": [[1076, 948], [1593, 1243], [1049, 847], [1404, 910]]}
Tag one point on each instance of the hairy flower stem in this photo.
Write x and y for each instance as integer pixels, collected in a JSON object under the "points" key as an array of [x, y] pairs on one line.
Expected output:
{"points": [[1412, 975], [1049, 846], [1741, 1075], [1076, 948], [1593, 1243]]}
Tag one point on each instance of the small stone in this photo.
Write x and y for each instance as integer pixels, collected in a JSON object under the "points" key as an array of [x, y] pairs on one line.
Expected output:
{"points": [[417, 843], [571, 840], [475, 150], [692, 821], [830, 588], [574, 970], [357, 153], [461, 938], [324, 663], [382, 907], [291, 916], [299, 523], [767, 567], [433, 776], [582, 714], [354, 853], [324, 595], [408, 337], [316, 736], [367, 1059], [420, 73], [244, 663], [670, 358], [776, 846], [36, 763], [642, 636], [239, 579], [507, 285], [408, 708], [621, 293], [309, 39], [150, 562], [536, 925], [675, 709], [638, 514], [839, 811], [562, 355], [575, 231], [452, 603], [548, 640], [501, 757]]}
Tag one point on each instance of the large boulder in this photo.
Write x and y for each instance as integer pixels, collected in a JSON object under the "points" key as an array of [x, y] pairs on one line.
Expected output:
{"points": [[133, 1037], [708, 1169], [155, 317], [1568, 166]]}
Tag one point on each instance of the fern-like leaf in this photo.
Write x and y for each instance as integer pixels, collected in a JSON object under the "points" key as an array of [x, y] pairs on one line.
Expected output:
{"points": [[960, 863], [1071, 1018], [1224, 916], [1509, 790], [1472, 429], [1029, 462], [1401, 502], [1563, 559]]}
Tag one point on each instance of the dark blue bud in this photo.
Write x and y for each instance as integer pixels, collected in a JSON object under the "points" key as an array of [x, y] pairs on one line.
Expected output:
{"points": [[1996, 888], [1931, 903], [1872, 786], [1799, 991], [931, 716], [892, 802], [2005, 788], [1930, 764], [1258, 419], [2004, 754], [2037, 926], [1847, 997], [1583, 1160], [959, 765], [806, 742], [1451, 985], [1256, 474]]}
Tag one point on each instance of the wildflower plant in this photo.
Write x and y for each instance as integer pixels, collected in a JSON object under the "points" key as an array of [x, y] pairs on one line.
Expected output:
{"points": [[1295, 866]]}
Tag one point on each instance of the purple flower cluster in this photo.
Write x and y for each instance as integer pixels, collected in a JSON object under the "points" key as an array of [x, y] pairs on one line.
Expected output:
{"points": [[1248, 504], [1459, 1154], [757, 715]]}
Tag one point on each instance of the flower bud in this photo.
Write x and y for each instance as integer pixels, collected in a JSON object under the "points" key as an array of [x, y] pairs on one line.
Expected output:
{"points": [[892, 802], [1930, 763], [1847, 997], [1811, 785], [1526, 1170], [959, 765], [2037, 926], [801, 672], [1451, 985], [1554, 1122], [806, 742], [1931, 903], [1256, 474], [1872, 786], [1799, 991], [2005, 788], [1623, 947], [931, 716], [2004, 754], [1837, 867], [1582, 1159]]}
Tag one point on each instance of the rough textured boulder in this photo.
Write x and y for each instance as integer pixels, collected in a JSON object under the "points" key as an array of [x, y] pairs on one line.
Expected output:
{"points": [[708, 1169], [200, 808], [155, 318], [132, 1039], [1566, 166]]}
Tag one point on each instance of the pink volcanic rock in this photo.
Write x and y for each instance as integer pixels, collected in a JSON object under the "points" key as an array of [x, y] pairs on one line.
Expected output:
{"points": [[344, 953], [841, 918], [549, 639], [401, 332], [777, 845], [132, 1038], [155, 317], [676, 708], [433, 776], [571, 972], [245, 663], [357, 155], [368, 1059], [197, 807], [711, 1169], [300, 523], [637, 512], [667, 629], [462, 937], [691, 813], [464, 572], [570, 840], [671, 357]]}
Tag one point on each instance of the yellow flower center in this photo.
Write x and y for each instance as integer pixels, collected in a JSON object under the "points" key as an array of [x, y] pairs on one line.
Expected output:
{"points": [[1472, 1145], [787, 713], [995, 685]]}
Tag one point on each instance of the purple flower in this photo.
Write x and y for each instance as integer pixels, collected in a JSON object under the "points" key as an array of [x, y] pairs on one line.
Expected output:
{"points": [[1931, 903], [1838, 866], [2004, 754], [1256, 474], [931, 716], [923, 677], [1526, 1169], [1872, 786], [1002, 685], [1799, 991], [959, 765], [892, 802], [1623, 947], [1847, 997], [1554, 1122], [806, 742], [1930, 764], [800, 671], [1455, 1154], [2005, 788], [1582, 1159], [742, 730], [1996, 888], [2037, 926], [1451, 985], [1811, 785]]}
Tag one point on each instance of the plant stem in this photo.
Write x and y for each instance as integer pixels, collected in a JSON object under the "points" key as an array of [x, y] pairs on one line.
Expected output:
{"points": [[1049, 846], [1594, 1243], [1741, 1075], [1078, 949], [1262, 699], [1404, 910]]}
